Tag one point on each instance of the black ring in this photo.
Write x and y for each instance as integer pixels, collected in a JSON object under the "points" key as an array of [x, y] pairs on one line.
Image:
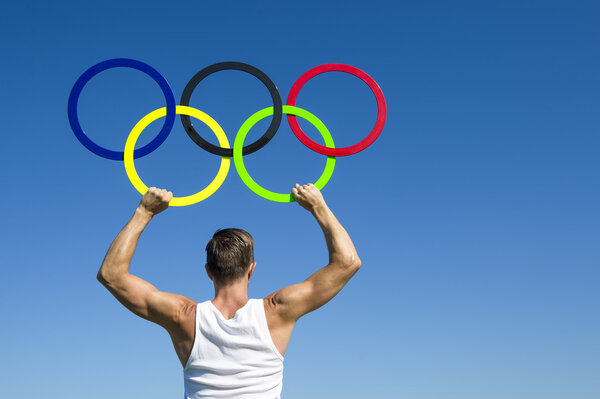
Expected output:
{"points": [[250, 148]]}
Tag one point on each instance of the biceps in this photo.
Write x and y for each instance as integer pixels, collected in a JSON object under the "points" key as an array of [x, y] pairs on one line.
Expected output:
{"points": [[143, 299], [297, 300]]}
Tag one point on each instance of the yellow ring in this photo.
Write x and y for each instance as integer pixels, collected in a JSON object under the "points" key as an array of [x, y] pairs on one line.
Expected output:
{"points": [[180, 110]]}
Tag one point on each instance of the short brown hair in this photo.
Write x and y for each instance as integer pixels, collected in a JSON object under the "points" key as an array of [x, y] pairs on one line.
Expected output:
{"points": [[229, 253]]}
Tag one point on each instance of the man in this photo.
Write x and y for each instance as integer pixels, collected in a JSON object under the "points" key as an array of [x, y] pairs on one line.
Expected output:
{"points": [[230, 347]]}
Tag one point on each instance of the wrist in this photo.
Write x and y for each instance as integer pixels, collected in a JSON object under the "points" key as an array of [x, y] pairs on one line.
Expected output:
{"points": [[143, 213], [319, 210]]}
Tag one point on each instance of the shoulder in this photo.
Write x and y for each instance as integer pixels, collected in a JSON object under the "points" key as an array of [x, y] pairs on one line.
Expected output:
{"points": [[269, 303], [274, 309], [280, 328], [189, 307], [185, 316]]}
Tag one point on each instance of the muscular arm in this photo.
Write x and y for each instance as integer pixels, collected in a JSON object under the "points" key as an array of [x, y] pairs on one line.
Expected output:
{"points": [[139, 296], [292, 302]]}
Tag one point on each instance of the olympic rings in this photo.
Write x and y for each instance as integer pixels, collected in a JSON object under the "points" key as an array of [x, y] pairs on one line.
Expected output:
{"points": [[353, 149], [224, 150], [239, 142], [197, 78], [180, 110], [114, 63]]}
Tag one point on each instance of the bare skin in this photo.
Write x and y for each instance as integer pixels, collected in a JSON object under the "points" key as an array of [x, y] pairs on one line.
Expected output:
{"points": [[176, 313]]}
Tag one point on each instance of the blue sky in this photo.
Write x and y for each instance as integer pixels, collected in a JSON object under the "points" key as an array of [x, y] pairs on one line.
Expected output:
{"points": [[475, 213]]}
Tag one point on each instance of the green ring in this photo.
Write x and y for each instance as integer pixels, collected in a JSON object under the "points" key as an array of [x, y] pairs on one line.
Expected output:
{"points": [[239, 144]]}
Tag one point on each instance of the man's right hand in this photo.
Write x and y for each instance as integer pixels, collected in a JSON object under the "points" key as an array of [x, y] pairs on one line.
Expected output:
{"points": [[308, 196], [155, 201]]}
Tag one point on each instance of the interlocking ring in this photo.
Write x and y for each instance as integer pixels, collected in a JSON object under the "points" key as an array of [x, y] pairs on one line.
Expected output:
{"points": [[353, 149], [181, 110], [239, 142], [224, 150], [227, 152], [115, 63]]}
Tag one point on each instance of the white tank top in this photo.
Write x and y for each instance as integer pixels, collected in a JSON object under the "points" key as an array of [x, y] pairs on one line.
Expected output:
{"points": [[233, 358]]}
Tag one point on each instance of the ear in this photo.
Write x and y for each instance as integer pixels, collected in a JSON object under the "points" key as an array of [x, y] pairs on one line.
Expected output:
{"points": [[208, 273], [251, 270]]}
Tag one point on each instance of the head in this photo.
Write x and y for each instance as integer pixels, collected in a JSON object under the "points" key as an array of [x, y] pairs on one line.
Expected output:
{"points": [[230, 256]]}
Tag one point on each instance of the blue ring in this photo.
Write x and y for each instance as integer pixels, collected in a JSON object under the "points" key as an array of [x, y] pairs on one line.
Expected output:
{"points": [[114, 63]]}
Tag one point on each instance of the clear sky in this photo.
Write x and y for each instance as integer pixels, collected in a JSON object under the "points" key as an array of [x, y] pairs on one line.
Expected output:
{"points": [[475, 213]]}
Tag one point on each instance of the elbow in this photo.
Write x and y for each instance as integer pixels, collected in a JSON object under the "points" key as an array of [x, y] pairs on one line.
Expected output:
{"points": [[104, 277], [351, 262], [108, 277], [101, 278], [356, 262]]}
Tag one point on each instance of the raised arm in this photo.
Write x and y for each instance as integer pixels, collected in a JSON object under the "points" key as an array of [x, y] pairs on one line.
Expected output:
{"points": [[139, 296], [293, 302]]}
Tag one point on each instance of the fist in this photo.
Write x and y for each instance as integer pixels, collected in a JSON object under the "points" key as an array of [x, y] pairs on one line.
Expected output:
{"points": [[308, 196], [156, 200]]}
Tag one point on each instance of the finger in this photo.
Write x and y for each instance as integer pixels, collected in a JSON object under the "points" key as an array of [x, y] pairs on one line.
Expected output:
{"points": [[295, 192]]}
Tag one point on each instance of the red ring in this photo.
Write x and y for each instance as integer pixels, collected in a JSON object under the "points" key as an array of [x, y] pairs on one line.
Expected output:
{"points": [[343, 151]]}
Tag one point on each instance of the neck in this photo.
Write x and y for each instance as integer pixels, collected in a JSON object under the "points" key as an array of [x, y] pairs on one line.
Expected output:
{"points": [[233, 294]]}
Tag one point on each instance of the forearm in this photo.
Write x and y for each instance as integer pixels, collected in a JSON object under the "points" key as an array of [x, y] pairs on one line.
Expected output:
{"points": [[339, 244], [117, 259]]}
